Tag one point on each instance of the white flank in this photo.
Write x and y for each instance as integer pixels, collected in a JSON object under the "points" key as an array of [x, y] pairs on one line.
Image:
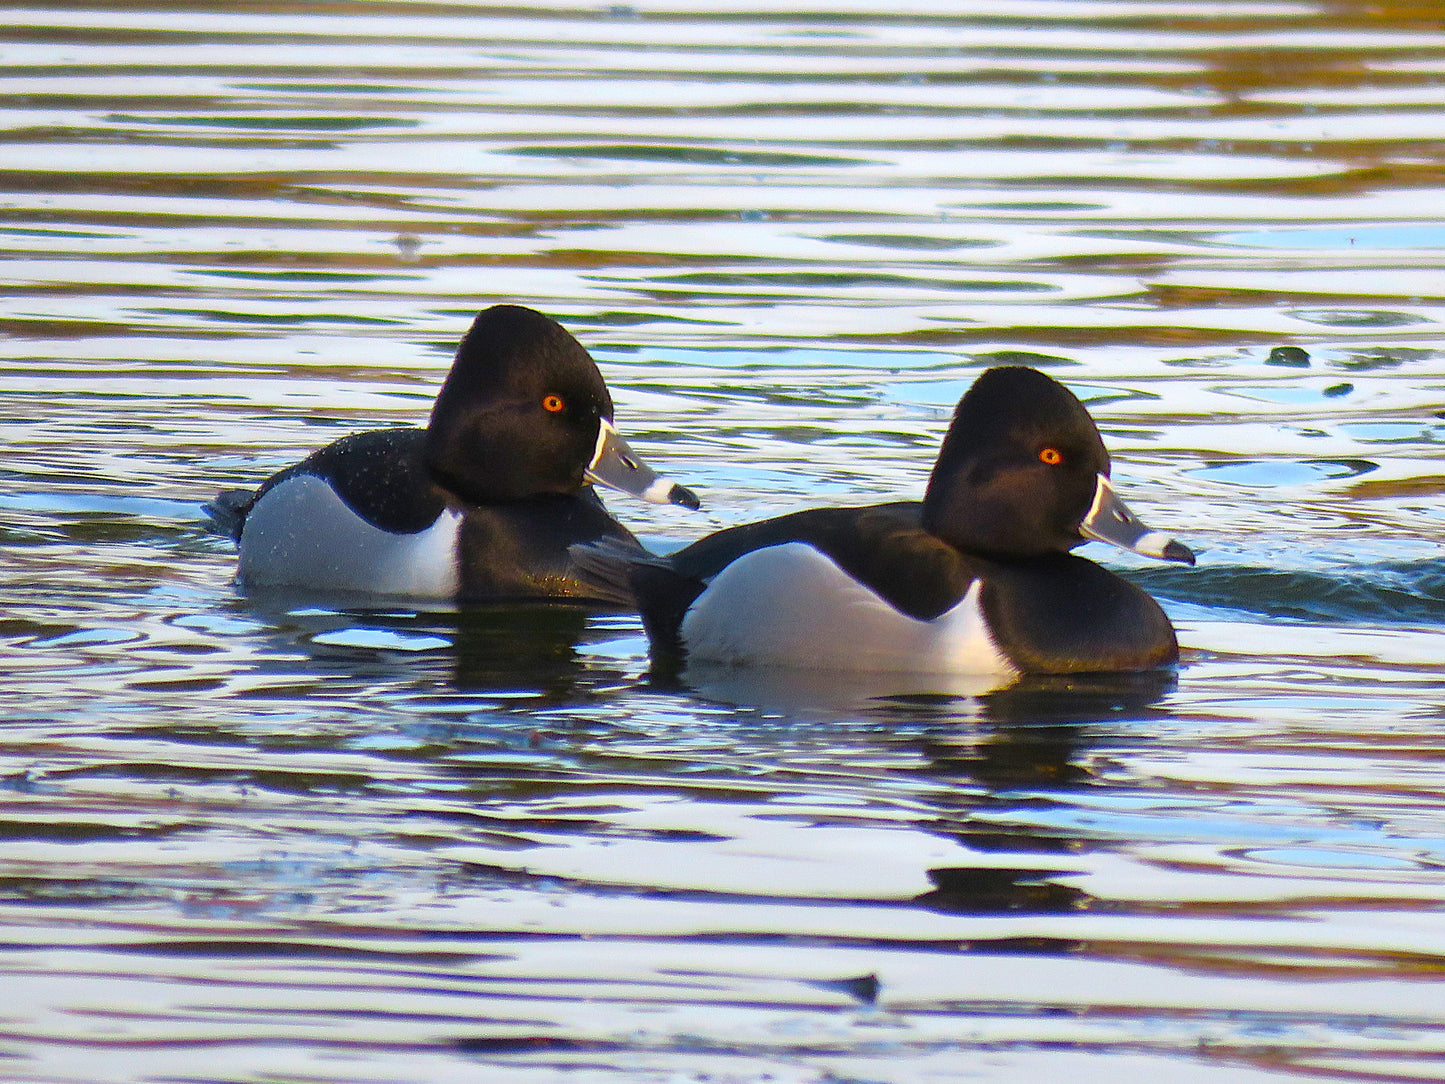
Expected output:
{"points": [[790, 605], [301, 534]]}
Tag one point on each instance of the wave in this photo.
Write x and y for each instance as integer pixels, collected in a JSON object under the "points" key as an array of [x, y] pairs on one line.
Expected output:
{"points": [[1394, 592]]}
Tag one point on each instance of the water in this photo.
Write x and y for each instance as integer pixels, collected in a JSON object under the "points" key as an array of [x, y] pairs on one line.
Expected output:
{"points": [[280, 841]]}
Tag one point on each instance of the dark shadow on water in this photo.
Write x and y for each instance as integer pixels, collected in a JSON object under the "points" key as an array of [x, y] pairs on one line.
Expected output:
{"points": [[493, 648], [984, 890], [1033, 735], [1071, 699], [978, 747]]}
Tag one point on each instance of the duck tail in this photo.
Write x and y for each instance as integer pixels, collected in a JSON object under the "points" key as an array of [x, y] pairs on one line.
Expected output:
{"points": [[227, 513], [663, 598], [605, 565], [662, 593]]}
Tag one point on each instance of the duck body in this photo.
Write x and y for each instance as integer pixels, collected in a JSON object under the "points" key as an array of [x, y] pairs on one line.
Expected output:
{"points": [[869, 589], [976, 579], [481, 505], [363, 516]]}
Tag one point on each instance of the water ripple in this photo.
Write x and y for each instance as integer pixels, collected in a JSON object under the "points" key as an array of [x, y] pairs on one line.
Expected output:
{"points": [[299, 838]]}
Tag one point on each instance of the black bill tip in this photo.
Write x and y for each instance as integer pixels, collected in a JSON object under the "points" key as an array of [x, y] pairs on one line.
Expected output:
{"points": [[1177, 551], [688, 499]]}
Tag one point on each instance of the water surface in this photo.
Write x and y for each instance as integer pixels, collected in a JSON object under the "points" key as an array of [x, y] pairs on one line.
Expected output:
{"points": [[279, 840]]}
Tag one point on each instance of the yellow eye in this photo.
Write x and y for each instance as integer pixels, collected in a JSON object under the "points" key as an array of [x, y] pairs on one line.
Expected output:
{"points": [[553, 403], [1052, 456]]}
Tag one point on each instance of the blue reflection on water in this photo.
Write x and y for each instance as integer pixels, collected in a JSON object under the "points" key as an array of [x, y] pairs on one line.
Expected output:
{"points": [[1285, 472], [1411, 236]]}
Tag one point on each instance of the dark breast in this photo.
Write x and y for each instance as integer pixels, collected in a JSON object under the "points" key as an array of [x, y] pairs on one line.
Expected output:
{"points": [[1063, 614], [518, 550]]}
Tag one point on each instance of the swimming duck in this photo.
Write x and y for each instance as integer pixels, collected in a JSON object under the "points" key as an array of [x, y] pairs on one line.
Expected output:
{"points": [[976, 579], [482, 504]]}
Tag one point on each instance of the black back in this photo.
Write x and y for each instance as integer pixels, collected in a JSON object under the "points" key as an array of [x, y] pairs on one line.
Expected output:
{"points": [[380, 474], [881, 545]]}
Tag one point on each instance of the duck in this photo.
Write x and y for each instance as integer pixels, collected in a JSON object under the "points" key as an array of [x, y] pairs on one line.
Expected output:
{"points": [[978, 578], [480, 505]]}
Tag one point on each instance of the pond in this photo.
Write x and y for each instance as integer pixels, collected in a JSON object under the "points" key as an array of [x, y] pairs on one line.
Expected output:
{"points": [[281, 840]]}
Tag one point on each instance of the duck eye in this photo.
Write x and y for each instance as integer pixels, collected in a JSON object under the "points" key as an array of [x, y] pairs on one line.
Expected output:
{"points": [[1051, 456], [553, 404]]}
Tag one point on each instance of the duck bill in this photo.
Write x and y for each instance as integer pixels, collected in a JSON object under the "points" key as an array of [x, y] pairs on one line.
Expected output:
{"points": [[615, 465], [1109, 520]]}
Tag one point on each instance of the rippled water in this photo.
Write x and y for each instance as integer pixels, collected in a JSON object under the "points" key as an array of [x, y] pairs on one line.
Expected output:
{"points": [[244, 841]]}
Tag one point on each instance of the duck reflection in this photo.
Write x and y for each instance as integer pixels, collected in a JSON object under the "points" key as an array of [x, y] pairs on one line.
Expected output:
{"points": [[987, 746], [914, 699], [826, 695], [522, 649], [1035, 739]]}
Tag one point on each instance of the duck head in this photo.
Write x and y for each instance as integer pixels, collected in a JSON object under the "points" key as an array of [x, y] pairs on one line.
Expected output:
{"points": [[1023, 472], [525, 412]]}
